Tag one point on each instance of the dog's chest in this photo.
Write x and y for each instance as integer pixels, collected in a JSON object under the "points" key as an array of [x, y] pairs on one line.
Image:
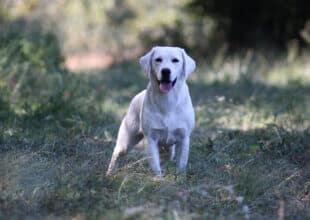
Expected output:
{"points": [[167, 137], [167, 126]]}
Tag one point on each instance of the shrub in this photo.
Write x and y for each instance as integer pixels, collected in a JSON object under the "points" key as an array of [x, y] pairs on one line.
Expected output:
{"points": [[31, 71]]}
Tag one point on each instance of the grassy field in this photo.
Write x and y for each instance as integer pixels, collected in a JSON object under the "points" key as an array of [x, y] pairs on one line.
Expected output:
{"points": [[249, 154]]}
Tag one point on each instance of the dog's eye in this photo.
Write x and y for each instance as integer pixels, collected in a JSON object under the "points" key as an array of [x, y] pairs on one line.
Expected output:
{"points": [[175, 60], [158, 60]]}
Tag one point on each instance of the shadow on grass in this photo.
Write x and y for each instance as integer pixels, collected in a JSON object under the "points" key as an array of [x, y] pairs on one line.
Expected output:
{"points": [[259, 167], [263, 165], [120, 82], [246, 90]]}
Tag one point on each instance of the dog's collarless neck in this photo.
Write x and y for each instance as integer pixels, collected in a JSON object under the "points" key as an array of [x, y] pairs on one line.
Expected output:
{"points": [[165, 102]]}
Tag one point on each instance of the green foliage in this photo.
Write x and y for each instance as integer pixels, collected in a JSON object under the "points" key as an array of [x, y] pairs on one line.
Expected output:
{"points": [[30, 63], [201, 26], [39, 49]]}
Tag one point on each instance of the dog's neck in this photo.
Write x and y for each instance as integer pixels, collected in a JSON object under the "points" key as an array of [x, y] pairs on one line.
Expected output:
{"points": [[161, 100]]}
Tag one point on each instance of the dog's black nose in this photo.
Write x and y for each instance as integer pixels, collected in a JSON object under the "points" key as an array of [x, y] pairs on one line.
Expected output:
{"points": [[165, 73]]}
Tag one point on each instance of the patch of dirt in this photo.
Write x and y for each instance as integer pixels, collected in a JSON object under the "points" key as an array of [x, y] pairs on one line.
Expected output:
{"points": [[88, 61], [98, 60]]}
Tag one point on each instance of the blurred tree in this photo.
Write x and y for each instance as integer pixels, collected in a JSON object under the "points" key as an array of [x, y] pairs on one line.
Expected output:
{"points": [[31, 65], [247, 23], [120, 13]]}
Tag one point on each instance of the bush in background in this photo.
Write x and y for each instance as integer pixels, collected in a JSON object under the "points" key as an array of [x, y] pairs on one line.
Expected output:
{"points": [[31, 71]]}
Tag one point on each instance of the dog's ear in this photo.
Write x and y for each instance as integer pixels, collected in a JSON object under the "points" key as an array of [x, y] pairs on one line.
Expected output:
{"points": [[189, 64], [145, 62]]}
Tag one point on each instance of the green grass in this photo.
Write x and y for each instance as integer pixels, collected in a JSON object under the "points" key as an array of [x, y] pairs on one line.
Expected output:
{"points": [[249, 154]]}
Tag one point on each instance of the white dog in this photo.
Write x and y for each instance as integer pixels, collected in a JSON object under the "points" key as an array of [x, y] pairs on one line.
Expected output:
{"points": [[163, 114]]}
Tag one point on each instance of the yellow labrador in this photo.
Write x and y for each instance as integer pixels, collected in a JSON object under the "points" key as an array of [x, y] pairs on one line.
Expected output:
{"points": [[163, 114]]}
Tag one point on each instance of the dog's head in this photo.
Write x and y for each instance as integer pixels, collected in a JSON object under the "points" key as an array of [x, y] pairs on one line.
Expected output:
{"points": [[166, 66]]}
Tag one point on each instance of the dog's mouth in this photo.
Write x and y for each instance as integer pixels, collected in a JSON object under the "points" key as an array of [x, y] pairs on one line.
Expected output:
{"points": [[166, 85]]}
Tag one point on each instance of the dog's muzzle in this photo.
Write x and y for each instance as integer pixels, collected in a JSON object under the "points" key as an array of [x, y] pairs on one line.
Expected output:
{"points": [[166, 85]]}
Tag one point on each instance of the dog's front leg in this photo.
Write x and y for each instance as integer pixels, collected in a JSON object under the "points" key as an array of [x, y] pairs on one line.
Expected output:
{"points": [[154, 159], [182, 154]]}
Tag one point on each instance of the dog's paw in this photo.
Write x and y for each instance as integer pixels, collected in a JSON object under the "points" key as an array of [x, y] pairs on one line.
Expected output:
{"points": [[158, 178], [109, 173]]}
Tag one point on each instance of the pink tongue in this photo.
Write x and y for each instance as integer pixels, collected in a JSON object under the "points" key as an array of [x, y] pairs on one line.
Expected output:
{"points": [[165, 86]]}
